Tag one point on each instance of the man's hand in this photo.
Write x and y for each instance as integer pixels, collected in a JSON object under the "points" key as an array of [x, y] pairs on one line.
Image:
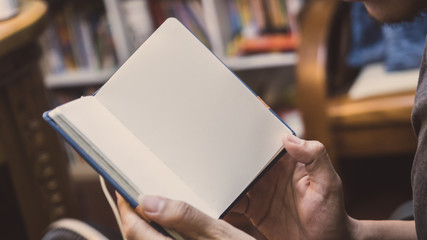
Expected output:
{"points": [[176, 215], [300, 197]]}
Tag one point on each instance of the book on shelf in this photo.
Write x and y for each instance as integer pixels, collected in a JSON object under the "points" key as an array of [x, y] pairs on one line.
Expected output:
{"points": [[174, 121], [138, 20], [259, 26], [78, 38], [262, 44], [189, 12]]}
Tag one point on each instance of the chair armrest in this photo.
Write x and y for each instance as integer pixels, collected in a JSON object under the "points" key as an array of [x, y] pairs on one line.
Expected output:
{"points": [[311, 69]]}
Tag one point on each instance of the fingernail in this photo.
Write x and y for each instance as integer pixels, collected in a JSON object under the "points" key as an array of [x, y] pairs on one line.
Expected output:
{"points": [[295, 140], [152, 205]]}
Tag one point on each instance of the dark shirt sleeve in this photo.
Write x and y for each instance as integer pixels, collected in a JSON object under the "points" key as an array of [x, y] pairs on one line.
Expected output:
{"points": [[419, 168]]}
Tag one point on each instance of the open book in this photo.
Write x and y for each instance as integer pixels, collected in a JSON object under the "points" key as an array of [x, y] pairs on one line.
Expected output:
{"points": [[174, 121]]}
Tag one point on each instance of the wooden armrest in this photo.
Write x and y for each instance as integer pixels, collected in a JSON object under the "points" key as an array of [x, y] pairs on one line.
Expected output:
{"points": [[348, 128], [21, 29], [378, 111], [311, 68]]}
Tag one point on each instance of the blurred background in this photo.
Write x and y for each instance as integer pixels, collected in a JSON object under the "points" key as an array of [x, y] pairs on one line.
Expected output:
{"points": [[326, 67]]}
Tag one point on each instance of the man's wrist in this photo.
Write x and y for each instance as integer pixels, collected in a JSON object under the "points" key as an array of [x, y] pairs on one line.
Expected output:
{"points": [[355, 228], [385, 229]]}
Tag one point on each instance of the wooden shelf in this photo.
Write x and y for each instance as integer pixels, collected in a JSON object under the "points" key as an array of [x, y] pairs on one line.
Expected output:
{"points": [[258, 61], [78, 78]]}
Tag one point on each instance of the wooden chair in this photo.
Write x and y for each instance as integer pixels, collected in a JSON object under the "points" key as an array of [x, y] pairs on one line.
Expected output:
{"points": [[35, 188], [377, 126]]}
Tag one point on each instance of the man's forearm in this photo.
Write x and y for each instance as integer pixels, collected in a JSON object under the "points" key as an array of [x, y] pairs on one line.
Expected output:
{"points": [[384, 230]]}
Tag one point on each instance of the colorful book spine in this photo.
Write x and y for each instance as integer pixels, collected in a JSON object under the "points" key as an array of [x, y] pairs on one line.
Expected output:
{"points": [[79, 39], [259, 26], [233, 12], [189, 12]]}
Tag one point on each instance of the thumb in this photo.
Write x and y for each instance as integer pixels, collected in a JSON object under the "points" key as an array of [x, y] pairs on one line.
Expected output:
{"points": [[314, 156], [185, 219]]}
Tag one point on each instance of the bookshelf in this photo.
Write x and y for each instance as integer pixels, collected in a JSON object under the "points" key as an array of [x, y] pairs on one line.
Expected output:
{"points": [[217, 28], [261, 61], [78, 78], [82, 45]]}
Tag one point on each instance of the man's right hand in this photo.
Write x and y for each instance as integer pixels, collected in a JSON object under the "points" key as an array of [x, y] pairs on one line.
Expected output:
{"points": [[301, 197]]}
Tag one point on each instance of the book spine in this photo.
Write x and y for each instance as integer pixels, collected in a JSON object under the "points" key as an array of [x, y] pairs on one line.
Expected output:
{"points": [[194, 7], [259, 16], [64, 37], [233, 12], [133, 203], [90, 161], [139, 20], [157, 13], [88, 44], [79, 48], [53, 51], [259, 26]]}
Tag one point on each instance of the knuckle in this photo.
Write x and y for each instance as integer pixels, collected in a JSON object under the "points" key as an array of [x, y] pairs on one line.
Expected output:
{"points": [[183, 213], [220, 229], [223, 230], [183, 209], [319, 148]]}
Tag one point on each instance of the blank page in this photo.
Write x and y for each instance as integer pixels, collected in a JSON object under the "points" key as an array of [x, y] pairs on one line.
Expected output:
{"points": [[117, 145], [194, 114]]}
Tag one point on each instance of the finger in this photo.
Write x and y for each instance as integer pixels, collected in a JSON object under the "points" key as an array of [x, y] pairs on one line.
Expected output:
{"points": [[187, 220], [133, 226], [314, 156], [271, 186], [177, 215]]}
